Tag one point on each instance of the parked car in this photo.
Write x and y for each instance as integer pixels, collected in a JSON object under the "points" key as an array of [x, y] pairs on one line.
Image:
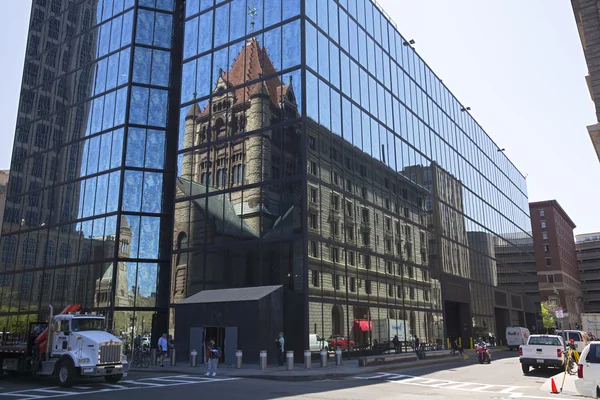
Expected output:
{"points": [[145, 342], [542, 351], [580, 338], [516, 336], [316, 342], [336, 341], [588, 371]]}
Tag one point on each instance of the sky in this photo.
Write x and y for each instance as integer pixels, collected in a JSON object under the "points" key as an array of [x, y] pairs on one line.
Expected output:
{"points": [[518, 64]]}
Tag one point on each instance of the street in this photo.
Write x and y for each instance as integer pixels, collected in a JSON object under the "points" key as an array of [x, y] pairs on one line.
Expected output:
{"points": [[502, 379]]}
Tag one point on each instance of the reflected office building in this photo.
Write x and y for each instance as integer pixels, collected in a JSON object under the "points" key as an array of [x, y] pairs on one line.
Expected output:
{"points": [[221, 145]]}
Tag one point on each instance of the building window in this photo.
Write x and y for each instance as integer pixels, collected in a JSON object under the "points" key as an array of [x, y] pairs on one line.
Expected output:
{"points": [[390, 267], [336, 281], [426, 295], [9, 249], [313, 195], [29, 252], [364, 192], [545, 236], [550, 278], [312, 143], [313, 249], [546, 248], [542, 214], [315, 278], [390, 290], [400, 292], [543, 224], [312, 221], [351, 257], [334, 228], [366, 239], [352, 284], [368, 286], [365, 215], [349, 209], [412, 293], [411, 272], [349, 185], [425, 276], [334, 254], [548, 261], [335, 202], [313, 168], [388, 224], [367, 261], [406, 212], [350, 233]]}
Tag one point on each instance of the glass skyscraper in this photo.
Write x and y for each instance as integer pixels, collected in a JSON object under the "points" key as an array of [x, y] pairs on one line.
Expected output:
{"points": [[166, 147]]}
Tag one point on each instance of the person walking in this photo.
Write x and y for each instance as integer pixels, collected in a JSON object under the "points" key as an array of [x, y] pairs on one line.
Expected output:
{"points": [[396, 342], [280, 349], [163, 348], [214, 352]]}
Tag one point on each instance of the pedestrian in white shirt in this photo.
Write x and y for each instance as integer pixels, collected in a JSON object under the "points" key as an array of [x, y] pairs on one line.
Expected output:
{"points": [[162, 348]]}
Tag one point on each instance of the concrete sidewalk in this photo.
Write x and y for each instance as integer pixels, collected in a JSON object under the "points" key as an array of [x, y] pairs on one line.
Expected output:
{"points": [[299, 373]]}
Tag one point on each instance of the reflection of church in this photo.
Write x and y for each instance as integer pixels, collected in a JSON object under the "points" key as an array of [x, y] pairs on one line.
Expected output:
{"points": [[125, 295], [226, 156]]}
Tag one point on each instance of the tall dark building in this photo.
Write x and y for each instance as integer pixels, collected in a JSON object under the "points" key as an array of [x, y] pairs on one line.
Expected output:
{"points": [[165, 148]]}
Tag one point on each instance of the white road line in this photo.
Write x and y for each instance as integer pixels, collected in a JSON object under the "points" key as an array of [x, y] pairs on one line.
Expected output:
{"points": [[509, 389], [113, 386], [483, 388], [143, 383], [442, 384], [51, 392]]}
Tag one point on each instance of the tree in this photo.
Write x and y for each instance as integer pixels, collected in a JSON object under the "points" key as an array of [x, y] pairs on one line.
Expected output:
{"points": [[548, 314]]}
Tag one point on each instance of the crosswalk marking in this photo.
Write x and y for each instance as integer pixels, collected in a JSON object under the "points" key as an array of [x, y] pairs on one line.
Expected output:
{"points": [[98, 387], [444, 384]]}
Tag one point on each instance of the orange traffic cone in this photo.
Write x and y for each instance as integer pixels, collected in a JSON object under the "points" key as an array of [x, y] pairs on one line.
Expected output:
{"points": [[554, 389]]}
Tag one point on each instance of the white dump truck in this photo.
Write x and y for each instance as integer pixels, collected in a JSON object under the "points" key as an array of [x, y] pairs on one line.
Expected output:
{"points": [[72, 344]]}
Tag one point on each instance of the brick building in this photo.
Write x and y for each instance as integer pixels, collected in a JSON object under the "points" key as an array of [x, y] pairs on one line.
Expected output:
{"points": [[555, 258]]}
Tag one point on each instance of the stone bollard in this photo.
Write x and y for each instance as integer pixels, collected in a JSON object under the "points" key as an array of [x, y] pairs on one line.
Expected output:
{"points": [[307, 359], [194, 358], [338, 357], [153, 360], [238, 359], [324, 356], [173, 363], [290, 360], [263, 359]]}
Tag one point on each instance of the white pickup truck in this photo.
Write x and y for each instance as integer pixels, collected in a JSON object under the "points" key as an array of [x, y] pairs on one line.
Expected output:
{"points": [[542, 351]]}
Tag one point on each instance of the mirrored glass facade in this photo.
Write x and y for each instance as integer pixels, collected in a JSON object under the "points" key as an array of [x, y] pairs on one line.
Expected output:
{"points": [[86, 200], [224, 144]]}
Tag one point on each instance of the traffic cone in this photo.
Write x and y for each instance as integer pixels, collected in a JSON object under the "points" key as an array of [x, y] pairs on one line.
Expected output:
{"points": [[554, 389]]}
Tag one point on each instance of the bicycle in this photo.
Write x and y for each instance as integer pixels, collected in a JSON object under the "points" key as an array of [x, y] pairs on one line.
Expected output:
{"points": [[572, 359], [140, 359]]}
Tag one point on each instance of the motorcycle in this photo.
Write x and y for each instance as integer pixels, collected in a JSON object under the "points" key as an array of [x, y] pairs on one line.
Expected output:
{"points": [[483, 353]]}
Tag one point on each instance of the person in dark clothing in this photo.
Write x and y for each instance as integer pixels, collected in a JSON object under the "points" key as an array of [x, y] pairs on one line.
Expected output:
{"points": [[214, 352], [396, 343], [137, 342], [456, 347], [280, 341], [417, 344]]}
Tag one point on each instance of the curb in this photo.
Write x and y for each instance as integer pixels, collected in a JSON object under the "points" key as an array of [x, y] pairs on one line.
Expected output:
{"points": [[326, 375]]}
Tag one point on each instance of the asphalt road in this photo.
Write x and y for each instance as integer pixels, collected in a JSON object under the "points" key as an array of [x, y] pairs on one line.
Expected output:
{"points": [[464, 380]]}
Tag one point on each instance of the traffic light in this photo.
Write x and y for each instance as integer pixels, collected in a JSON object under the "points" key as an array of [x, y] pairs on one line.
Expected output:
{"points": [[576, 326]]}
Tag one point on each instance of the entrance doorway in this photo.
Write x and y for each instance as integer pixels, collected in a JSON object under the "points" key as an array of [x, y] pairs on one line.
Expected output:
{"points": [[225, 338], [458, 321]]}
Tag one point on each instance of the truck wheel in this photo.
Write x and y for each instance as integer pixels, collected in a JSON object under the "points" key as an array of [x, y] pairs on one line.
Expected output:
{"points": [[65, 374], [113, 378], [525, 368]]}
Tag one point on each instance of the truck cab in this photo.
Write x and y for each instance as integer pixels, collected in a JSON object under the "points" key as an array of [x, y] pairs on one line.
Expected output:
{"points": [[74, 344]]}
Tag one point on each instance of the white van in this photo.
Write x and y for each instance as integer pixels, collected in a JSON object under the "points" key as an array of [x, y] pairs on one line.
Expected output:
{"points": [[516, 336], [316, 342], [580, 338]]}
